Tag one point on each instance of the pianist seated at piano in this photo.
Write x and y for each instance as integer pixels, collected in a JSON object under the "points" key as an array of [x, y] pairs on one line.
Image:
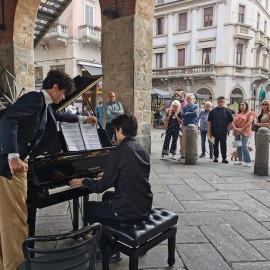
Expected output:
{"points": [[27, 129], [128, 172]]}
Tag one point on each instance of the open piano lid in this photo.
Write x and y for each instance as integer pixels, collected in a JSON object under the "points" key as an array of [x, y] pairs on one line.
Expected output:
{"points": [[82, 85]]}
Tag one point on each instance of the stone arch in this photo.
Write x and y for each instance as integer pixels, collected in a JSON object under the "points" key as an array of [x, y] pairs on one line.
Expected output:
{"points": [[237, 95], [204, 94]]}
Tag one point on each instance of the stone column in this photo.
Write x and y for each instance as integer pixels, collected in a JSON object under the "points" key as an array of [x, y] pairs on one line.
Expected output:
{"points": [[220, 33], [127, 64], [193, 41], [17, 41]]}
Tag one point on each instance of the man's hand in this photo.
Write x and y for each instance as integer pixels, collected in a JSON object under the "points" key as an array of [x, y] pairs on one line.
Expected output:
{"points": [[75, 182], [16, 166], [91, 120]]}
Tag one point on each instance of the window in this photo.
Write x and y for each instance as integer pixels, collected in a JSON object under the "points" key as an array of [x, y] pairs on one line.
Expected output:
{"points": [[58, 67], [239, 54], [38, 76], [159, 60], [183, 21], [88, 15], [160, 26], [206, 56], [208, 17], [181, 57], [265, 27], [258, 21], [241, 14]]}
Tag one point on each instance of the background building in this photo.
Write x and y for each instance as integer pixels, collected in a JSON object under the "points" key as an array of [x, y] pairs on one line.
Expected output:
{"points": [[213, 48], [72, 44]]}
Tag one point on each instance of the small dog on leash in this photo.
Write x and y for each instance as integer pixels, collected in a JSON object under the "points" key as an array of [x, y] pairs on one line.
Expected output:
{"points": [[234, 153]]}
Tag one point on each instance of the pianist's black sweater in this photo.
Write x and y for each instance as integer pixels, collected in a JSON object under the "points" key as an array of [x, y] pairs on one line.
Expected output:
{"points": [[128, 172]]}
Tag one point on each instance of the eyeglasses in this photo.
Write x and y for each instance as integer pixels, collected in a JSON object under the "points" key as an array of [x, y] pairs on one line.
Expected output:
{"points": [[265, 104]]}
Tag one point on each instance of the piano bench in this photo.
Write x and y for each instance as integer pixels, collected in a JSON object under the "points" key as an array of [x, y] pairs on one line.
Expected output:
{"points": [[136, 239]]}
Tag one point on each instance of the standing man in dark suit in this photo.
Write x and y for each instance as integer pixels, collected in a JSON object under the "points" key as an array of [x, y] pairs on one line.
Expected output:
{"points": [[27, 129]]}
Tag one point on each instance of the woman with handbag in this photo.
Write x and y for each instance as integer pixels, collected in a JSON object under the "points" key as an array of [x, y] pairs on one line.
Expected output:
{"points": [[173, 121], [242, 132]]}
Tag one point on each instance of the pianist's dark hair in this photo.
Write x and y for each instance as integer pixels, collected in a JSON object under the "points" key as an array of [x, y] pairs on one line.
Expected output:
{"points": [[127, 122], [60, 78]]}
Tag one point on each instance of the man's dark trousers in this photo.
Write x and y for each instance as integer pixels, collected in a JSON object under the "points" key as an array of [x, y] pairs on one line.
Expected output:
{"points": [[222, 140]]}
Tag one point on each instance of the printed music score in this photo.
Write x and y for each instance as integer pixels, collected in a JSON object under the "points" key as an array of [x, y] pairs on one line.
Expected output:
{"points": [[80, 136]]}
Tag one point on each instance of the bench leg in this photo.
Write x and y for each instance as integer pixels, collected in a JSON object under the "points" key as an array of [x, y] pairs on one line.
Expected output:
{"points": [[133, 262], [171, 250]]}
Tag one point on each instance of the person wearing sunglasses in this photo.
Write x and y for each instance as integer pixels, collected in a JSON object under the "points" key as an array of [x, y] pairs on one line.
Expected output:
{"points": [[263, 119]]}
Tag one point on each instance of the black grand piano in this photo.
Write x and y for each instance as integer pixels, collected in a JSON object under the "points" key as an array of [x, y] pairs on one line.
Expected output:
{"points": [[48, 175]]}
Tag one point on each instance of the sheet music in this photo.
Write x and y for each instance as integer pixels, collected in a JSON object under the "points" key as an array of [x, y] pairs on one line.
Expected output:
{"points": [[90, 136], [80, 136], [73, 136]]}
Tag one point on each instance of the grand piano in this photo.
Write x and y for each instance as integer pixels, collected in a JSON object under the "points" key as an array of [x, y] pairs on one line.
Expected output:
{"points": [[48, 175]]}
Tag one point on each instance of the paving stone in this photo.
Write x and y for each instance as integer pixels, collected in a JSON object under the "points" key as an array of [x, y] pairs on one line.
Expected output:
{"points": [[256, 209], [197, 184], [263, 246], [262, 196], [243, 179], [245, 225], [159, 188], [167, 181], [240, 186], [201, 257], [230, 244], [264, 185], [251, 266], [190, 234], [266, 225], [57, 210], [184, 193], [224, 195], [168, 201], [209, 205], [200, 218], [211, 178]]}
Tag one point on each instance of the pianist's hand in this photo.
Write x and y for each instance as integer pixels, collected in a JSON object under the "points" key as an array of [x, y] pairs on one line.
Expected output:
{"points": [[16, 166], [75, 182], [91, 120]]}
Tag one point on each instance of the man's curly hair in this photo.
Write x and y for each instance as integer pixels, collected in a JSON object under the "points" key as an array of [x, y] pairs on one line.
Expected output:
{"points": [[60, 78]]}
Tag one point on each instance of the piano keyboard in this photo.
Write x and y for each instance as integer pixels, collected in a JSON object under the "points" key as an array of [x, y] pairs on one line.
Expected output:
{"points": [[62, 189]]}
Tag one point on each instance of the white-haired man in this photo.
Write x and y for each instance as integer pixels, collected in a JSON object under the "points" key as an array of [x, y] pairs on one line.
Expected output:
{"points": [[203, 117]]}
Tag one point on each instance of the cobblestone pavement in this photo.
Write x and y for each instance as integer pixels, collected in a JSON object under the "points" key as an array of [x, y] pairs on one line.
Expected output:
{"points": [[224, 214]]}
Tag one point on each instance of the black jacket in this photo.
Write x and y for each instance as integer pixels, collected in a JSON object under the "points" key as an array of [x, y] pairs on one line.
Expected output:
{"points": [[128, 172], [21, 128]]}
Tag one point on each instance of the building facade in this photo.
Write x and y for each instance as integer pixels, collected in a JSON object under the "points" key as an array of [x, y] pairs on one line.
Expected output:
{"points": [[214, 48], [73, 43]]}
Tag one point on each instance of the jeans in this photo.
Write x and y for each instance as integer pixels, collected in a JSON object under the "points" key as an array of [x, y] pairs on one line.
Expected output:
{"points": [[203, 141], [243, 150]]}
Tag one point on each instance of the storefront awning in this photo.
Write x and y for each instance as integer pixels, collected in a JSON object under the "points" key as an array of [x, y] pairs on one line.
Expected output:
{"points": [[93, 71]]}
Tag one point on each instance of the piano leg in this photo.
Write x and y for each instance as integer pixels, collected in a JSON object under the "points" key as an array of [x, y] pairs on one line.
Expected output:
{"points": [[75, 221], [85, 201], [32, 212]]}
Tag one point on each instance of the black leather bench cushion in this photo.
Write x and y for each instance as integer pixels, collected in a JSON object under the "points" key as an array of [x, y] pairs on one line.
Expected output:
{"points": [[136, 234]]}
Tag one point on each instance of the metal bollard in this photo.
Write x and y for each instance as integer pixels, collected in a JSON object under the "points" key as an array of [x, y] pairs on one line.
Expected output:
{"points": [[262, 152], [191, 145]]}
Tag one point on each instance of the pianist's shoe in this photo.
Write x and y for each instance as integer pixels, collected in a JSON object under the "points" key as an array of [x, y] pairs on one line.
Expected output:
{"points": [[116, 257]]}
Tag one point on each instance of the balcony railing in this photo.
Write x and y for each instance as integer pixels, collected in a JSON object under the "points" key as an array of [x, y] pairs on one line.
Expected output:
{"points": [[90, 34], [260, 38], [192, 71], [261, 72], [58, 30]]}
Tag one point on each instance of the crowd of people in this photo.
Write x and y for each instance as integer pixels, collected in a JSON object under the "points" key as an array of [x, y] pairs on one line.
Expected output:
{"points": [[214, 125]]}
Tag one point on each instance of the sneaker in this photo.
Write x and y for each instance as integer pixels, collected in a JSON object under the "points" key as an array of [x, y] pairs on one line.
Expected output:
{"points": [[162, 156], [116, 257], [238, 163], [246, 164], [201, 155], [215, 160], [211, 157], [174, 157], [181, 158], [225, 161]]}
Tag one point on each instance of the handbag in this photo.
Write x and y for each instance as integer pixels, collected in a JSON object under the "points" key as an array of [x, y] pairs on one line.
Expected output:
{"points": [[236, 144], [165, 125], [254, 127]]}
